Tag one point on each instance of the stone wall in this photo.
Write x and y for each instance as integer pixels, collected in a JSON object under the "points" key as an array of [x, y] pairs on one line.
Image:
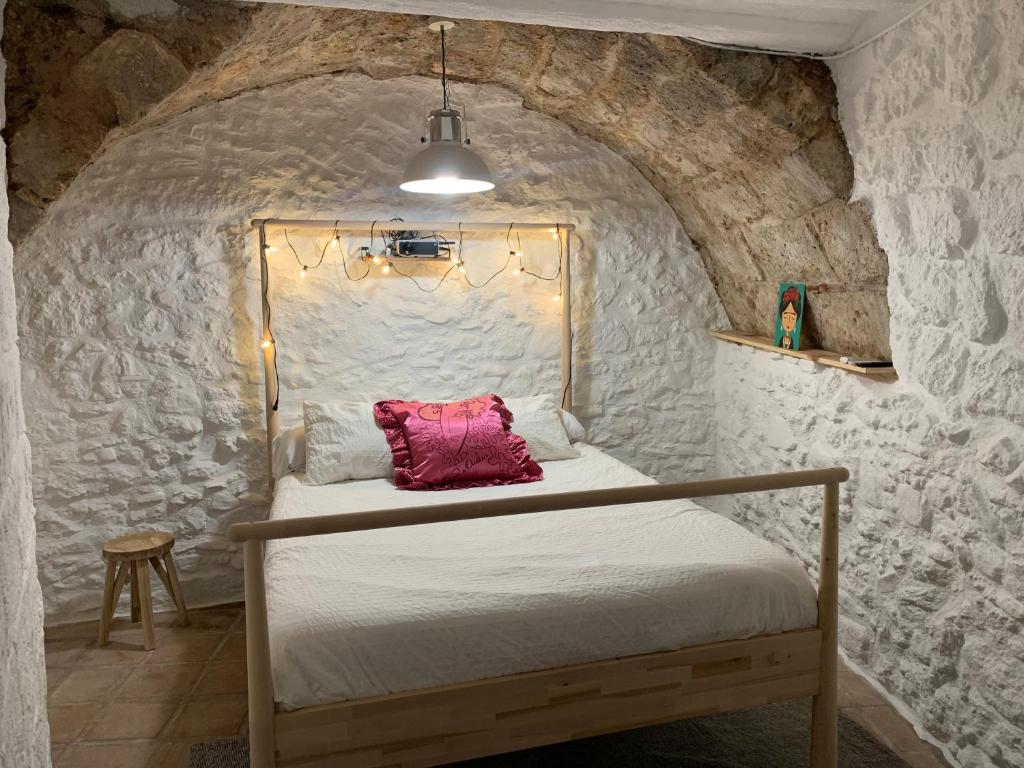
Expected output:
{"points": [[932, 564], [745, 148], [80, 69], [24, 733], [141, 332]]}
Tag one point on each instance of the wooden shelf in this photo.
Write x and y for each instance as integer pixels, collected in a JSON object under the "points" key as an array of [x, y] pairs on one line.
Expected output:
{"points": [[819, 356]]}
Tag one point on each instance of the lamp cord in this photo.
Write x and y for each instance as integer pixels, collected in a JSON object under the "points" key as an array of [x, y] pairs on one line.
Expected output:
{"points": [[444, 69]]}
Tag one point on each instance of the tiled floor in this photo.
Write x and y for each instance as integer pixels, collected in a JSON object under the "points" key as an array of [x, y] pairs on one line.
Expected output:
{"points": [[123, 707]]}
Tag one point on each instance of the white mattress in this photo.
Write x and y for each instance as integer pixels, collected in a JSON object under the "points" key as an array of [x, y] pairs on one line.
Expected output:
{"points": [[374, 612]]}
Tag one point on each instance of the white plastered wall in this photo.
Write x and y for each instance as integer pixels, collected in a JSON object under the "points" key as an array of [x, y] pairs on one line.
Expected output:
{"points": [[932, 565], [24, 733], [139, 309]]}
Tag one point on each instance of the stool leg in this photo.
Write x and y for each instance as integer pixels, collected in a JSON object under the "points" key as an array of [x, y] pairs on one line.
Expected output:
{"points": [[106, 612], [145, 604], [122, 577], [175, 590], [135, 592]]}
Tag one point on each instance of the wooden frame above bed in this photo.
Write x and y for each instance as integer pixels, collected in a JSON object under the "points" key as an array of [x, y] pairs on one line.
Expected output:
{"points": [[271, 386], [421, 728]]}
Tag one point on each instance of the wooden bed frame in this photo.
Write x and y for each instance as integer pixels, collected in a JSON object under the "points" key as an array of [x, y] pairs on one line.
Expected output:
{"points": [[434, 726], [441, 725]]}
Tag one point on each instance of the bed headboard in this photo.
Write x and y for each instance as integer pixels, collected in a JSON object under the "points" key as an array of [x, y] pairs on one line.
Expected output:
{"points": [[271, 384]]}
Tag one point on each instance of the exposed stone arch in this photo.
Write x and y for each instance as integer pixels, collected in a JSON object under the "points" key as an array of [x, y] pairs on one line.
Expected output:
{"points": [[745, 148]]}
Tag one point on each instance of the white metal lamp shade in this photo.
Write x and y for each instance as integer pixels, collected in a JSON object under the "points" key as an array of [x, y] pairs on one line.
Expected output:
{"points": [[446, 166]]}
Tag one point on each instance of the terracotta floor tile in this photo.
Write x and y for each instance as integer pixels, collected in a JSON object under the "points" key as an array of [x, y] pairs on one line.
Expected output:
{"points": [[208, 717], [130, 720], [213, 619], [160, 680], [234, 648], [89, 685], [67, 721], [886, 725], [116, 652], [126, 754], [82, 630], [188, 646], [223, 677], [65, 653], [171, 754], [855, 691], [54, 677]]}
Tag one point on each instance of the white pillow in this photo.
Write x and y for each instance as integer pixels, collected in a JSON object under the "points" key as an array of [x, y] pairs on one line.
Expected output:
{"points": [[289, 451], [343, 442], [577, 433], [536, 419]]}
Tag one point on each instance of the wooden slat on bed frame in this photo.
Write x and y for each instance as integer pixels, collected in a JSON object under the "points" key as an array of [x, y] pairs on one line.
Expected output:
{"points": [[441, 725], [458, 722]]}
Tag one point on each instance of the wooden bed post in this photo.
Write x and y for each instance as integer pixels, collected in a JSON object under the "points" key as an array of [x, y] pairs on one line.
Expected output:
{"points": [[257, 651], [269, 358], [825, 716], [564, 241]]}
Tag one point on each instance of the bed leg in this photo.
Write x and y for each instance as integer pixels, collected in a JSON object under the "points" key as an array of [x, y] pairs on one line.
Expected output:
{"points": [[825, 715], [257, 648]]}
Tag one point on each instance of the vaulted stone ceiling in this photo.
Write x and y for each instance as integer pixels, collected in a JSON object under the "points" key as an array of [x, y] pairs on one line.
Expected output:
{"points": [[745, 148]]}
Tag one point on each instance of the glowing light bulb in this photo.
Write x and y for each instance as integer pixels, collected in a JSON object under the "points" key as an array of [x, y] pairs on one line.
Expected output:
{"points": [[557, 297], [265, 344], [302, 274], [270, 248], [518, 254], [386, 268], [376, 259], [516, 271], [462, 267]]}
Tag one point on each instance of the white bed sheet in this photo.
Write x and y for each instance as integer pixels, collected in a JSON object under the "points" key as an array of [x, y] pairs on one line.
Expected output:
{"points": [[374, 612]]}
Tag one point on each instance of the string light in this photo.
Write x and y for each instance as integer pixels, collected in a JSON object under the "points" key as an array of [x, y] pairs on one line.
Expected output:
{"points": [[266, 344], [383, 259]]}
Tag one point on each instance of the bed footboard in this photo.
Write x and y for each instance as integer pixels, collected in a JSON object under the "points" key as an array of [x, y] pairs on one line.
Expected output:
{"points": [[442, 725]]}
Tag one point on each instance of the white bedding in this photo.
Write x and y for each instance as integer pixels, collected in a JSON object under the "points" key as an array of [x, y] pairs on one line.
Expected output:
{"points": [[374, 612]]}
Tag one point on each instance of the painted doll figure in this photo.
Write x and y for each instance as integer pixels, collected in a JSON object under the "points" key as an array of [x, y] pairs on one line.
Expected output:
{"points": [[790, 307]]}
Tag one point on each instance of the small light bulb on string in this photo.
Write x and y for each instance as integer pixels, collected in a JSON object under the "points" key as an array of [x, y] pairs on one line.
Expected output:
{"points": [[302, 274], [385, 269], [270, 248], [376, 259], [265, 344], [462, 266], [516, 271], [557, 297]]}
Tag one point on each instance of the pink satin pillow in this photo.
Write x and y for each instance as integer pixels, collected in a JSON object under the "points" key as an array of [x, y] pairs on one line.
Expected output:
{"points": [[466, 444]]}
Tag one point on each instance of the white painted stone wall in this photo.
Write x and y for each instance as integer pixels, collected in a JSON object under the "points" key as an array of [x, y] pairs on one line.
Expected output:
{"points": [[24, 732], [139, 309], [932, 564]]}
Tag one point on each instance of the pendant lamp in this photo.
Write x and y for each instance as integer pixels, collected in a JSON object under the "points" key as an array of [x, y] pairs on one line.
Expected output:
{"points": [[446, 166]]}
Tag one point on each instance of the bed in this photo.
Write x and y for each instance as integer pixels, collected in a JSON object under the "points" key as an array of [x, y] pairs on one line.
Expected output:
{"points": [[433, 605], [403, 629]]}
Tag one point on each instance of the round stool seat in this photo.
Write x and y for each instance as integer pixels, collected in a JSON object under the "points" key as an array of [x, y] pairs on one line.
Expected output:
{"points": [[138, 546]]}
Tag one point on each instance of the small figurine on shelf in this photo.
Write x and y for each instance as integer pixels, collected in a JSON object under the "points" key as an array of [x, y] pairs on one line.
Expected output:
{"points": [[791, 315]]}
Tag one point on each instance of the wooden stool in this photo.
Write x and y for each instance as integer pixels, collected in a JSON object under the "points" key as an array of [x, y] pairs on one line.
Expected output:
{"points": [[127, 555]]}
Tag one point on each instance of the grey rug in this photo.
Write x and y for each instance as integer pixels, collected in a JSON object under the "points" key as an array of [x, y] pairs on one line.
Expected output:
{"points": [[776, 736]]}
